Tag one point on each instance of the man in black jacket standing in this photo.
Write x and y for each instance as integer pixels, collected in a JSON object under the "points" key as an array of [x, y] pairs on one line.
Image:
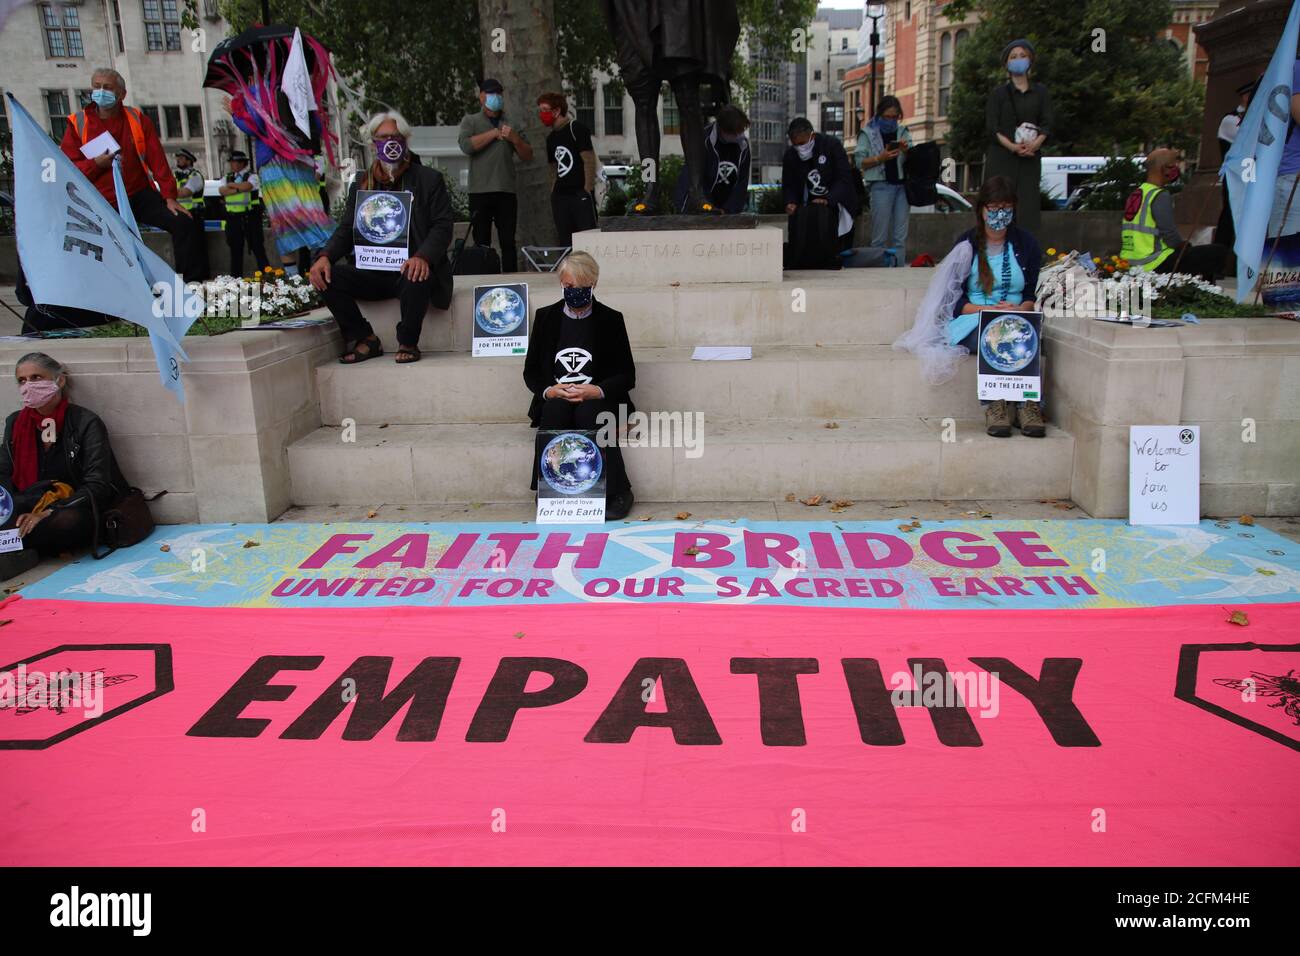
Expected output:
{"points": [[424, 278]]}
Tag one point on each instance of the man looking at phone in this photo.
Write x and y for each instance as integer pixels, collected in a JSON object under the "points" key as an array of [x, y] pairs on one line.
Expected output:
{"points": [[150, 185]]}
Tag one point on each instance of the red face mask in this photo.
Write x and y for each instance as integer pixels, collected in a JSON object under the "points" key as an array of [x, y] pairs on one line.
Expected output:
{"points": [[547, 117], [1172, 173]]}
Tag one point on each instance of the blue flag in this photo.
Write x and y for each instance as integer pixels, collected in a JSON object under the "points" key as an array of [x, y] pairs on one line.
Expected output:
{"points": [[77, 251], [175, 306], [1252, 163]]}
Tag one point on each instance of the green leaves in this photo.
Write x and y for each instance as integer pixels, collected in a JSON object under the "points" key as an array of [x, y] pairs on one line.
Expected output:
{"points": [[1117, 85]]}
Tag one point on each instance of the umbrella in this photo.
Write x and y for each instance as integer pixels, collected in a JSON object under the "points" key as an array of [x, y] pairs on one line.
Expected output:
{"points": [[262, 48]]}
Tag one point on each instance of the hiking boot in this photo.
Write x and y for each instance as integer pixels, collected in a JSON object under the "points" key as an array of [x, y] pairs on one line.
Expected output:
{"points": [[617, 507], [998, 418], [1030, 418]]}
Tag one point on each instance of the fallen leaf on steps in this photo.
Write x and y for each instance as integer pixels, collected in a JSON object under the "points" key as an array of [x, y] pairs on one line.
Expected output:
{"points": [[790, 496], [691, 551], [831, 425], [811, 502], [252, 544], [164, 547], [683, 515], [1239, 618], [1246, 519]]}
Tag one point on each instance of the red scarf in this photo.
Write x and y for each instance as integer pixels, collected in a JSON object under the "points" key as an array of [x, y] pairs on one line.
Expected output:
{"points": [[27, 442]]}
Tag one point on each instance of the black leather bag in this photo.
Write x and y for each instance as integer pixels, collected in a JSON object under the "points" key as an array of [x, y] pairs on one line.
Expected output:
{"points": [[475, 260], [128, 522]]}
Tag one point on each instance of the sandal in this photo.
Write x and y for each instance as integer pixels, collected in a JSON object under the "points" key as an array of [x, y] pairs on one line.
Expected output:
{"points": [[373, 349], [406, 354]]}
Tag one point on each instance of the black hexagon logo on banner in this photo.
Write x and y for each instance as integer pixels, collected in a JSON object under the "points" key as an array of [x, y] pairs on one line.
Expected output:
{"points": [[40, 707], [1256, 686]]}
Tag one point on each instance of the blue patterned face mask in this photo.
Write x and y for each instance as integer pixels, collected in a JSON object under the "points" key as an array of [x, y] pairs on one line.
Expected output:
{"points": [[577, 298], [999, 219]]}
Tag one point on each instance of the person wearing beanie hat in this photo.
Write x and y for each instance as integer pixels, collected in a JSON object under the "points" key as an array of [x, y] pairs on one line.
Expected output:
{"points": [[1018, 119]]}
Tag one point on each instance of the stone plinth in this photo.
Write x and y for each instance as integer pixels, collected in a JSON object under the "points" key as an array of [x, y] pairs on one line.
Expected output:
{"points": [[669, 257]]}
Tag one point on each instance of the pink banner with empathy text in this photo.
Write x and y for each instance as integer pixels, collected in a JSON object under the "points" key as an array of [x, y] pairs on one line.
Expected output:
{"points": [[648, 734]]}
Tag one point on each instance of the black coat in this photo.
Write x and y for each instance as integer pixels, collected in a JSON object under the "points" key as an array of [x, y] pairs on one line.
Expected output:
{"points": [[431, 224], [613, 354], [837, 174], [90, 459]]}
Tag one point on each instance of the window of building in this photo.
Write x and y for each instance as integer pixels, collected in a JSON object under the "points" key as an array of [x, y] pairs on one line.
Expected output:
{"points": [[672, 120], [844, 43], [584, 103], [945, 72], [62, 26], [117, 26], [194, 121], [162, 25], [56, 108], [152, 113], [817, 74], [839, 75], [613, 96], [907, 10], [172, 122]]}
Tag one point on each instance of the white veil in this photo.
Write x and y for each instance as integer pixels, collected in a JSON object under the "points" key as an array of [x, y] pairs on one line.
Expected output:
{"points": [[927, 339]]}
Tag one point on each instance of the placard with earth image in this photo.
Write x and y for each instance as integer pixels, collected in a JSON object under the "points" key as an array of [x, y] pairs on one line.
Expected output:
{"points": [[570, 477], [501, 319], [1009, 350], [381, 229]]}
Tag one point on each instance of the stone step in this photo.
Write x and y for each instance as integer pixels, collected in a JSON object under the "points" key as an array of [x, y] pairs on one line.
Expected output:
{"points": [[864, 459], [779, 382], [849, 307]]}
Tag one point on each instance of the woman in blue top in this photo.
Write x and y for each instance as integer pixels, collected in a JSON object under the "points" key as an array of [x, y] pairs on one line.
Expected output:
{"points": [[993, 267], [882, 144]]}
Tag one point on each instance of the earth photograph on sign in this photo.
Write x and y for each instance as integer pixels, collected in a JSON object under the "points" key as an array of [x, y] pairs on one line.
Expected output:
{"points": [[381, 226], [1009, 355], [501, 319], [571, 479]]}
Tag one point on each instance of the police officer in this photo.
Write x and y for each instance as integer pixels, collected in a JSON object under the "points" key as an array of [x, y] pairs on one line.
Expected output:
{"points": [[243, 213], [189, 193]]}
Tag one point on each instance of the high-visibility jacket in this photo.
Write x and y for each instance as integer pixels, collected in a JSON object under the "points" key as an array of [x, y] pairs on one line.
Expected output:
{"points": [[1140, 241], [243, 201], [183, 177], [78, 121]]}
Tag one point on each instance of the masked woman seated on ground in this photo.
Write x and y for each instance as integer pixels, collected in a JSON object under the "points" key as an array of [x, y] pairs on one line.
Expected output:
{"points": [[992, 268], [56, 457], [579, 364]]}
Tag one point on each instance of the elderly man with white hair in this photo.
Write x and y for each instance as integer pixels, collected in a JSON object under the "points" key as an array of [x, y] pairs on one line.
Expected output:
{"points": [[146, 174], [579, 365], [425, 276]]}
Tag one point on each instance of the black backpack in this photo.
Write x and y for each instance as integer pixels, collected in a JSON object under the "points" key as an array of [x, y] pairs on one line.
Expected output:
{"points": [[921, 174], [475, 260], [814, 242]]}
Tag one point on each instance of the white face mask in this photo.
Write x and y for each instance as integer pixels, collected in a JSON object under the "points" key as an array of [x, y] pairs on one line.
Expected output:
{"points": [[806, 150]]}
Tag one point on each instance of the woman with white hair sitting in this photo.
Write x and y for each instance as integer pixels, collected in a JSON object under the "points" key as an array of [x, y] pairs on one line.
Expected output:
{"points": [[425, 276], [579, 364]]}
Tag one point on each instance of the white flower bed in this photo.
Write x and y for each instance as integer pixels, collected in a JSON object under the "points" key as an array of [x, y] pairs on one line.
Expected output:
{"points": [[268, 299], [1066, 283]]}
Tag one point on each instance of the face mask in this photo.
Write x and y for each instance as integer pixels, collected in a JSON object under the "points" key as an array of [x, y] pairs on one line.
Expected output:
{"points": [[887, 125], [390, 150], [999, 219], [493, 102], [1018, 67], [103, 98], [1171, 174], [806, 150], [38, 393], [547, 117], [577, 298]]}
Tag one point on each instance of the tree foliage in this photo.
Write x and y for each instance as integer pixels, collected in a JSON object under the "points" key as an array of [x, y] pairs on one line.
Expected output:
{"points": [[421, 57], [1116, 84]]}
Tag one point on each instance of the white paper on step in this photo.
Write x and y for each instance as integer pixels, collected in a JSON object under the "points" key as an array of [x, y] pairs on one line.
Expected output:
{"points": [[723, 353]]}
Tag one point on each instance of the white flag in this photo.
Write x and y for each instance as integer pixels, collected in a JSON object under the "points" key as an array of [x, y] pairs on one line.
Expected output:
{"points": [[296, 84]]}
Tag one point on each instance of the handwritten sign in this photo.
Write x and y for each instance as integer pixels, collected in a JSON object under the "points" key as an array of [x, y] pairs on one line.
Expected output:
{"points": [[1164, 474]]}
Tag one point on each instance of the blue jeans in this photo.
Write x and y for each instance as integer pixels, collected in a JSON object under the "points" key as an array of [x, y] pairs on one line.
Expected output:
{"points": [[889, 212]]}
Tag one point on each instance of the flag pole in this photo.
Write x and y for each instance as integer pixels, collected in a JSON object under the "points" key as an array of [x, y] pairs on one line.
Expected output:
{"points": [[1259, 284]]}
